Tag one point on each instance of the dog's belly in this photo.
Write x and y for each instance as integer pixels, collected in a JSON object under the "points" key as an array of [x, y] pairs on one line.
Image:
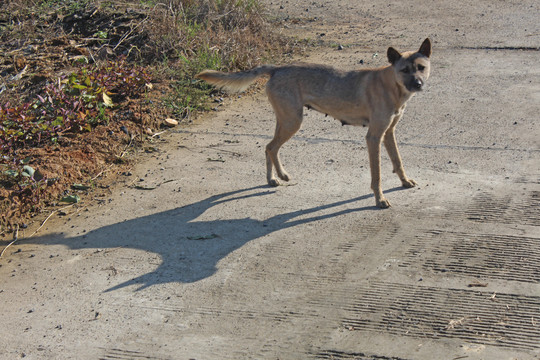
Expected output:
{"points": [[348, 116], [356, 121]]}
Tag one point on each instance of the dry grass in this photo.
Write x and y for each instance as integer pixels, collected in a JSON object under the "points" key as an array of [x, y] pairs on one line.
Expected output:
{"points": [[229, 34], [177, 38]]}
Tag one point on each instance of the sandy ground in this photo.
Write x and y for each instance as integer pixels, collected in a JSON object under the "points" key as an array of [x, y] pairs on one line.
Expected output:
{"points": [[210, 263]]}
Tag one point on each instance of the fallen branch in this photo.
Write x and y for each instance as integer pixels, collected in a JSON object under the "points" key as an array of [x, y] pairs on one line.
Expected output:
{"points": [[127, 147], [15, 238], [159, 133], [101, 172], [126, 35]]}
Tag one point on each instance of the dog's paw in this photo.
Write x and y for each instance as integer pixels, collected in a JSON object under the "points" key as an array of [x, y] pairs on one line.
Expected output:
{"points": [[408, 183], [273, 182], [284, 177], [383, 204]]}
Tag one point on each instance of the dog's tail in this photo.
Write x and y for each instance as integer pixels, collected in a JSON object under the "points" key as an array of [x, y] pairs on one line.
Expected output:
{"points": [[235, 82]]}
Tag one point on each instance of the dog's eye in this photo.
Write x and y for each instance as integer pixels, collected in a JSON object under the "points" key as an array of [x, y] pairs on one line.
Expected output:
{"points": [[405, 70], [421, 67]]}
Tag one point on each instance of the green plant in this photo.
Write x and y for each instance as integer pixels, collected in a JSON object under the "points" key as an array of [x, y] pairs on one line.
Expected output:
{"points": [[101, 35], [188, 97]]}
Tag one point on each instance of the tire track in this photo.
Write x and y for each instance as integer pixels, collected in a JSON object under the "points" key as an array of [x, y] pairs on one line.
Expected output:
{"points": [[487, 207], [116, 353], [343, 355], [507, 320], [503, 257]]}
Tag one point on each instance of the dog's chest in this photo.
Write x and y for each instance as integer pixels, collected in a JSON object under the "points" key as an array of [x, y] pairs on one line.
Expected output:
{"points": [[399, 111]]}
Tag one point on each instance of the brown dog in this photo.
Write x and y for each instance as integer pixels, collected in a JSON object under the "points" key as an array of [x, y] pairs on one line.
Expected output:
{"points": [[373, 97]]}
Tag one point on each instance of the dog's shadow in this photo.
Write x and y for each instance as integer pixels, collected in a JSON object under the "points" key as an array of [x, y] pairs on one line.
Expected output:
{"points": [[190, 249]]}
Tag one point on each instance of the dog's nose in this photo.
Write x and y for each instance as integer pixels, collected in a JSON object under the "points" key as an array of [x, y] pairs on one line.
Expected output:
{"points": [[418, 84]]}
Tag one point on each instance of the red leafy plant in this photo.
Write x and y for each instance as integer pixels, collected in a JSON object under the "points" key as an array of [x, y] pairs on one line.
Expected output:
{"points": [[72, 104], [68, 106]]}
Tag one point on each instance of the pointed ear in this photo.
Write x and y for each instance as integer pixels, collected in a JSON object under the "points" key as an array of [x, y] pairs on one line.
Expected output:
{"points": [[393, 55], [425, 48]]}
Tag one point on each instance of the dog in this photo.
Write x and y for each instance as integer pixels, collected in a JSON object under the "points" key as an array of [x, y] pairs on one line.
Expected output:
{"points": [[372, 97]]}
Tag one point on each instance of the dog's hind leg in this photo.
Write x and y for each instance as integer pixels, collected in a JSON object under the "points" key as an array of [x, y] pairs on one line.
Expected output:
{"points": [[392, 149], [283, 133], [288, 122]]}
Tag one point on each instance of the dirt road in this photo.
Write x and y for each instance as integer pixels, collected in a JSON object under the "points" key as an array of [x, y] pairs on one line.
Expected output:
{"points": [[209, 263]]}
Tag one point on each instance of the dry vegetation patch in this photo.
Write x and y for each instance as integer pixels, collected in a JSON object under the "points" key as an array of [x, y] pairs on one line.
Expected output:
{"points": [[83, 83]]}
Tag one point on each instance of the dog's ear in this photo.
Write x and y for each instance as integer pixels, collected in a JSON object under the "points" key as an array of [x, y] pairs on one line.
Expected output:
{"points": [[425, 48], [393, 55]]}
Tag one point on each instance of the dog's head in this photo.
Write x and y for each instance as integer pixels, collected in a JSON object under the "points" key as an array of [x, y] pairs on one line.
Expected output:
{"points": [[411, 68]]}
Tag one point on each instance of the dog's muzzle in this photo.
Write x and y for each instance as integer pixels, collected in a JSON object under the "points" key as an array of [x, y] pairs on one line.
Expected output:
{"points": [[415, 85]]}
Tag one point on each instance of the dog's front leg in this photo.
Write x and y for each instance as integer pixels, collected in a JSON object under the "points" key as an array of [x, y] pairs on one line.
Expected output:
{"points": [[391, 146], [373, 140]]}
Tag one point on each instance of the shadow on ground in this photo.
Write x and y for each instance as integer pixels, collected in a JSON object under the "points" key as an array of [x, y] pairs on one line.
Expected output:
{"points": [[190, 248]]}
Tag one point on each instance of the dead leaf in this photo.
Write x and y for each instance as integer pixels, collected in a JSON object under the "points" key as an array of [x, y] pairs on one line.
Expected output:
{"points": [[145, 187], [203, 237], [107, 100], [80, 187], [170, 122], [73, 199]]}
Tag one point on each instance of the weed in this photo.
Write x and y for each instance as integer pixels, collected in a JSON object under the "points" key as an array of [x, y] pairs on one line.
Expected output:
{"points": [[187, 98]]}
